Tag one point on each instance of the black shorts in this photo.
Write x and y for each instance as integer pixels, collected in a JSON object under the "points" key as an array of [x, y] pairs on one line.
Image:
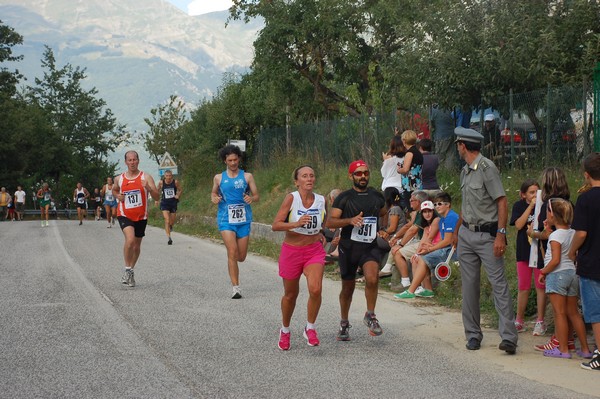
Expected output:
{"points": [[354, 254], [139, 226], [169, 206], [78, 205]]}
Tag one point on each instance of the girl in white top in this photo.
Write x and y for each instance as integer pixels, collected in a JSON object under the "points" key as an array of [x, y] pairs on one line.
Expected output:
{"points": [[391, 161], [301, 216], [562, 284]]}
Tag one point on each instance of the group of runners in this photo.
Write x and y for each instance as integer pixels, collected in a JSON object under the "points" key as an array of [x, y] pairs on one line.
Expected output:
{"points": [[480, 238]]}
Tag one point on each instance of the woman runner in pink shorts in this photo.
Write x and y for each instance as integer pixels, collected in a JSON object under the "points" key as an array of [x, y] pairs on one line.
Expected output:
{"points": [[301, 216]]}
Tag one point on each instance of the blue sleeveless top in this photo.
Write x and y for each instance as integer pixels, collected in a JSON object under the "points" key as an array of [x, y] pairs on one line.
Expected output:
{"points": [[232, 192]]}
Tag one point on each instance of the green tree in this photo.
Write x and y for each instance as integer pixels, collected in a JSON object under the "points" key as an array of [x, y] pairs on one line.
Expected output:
{"points": [[478, 50], [9, 79], [84, 131], [164, 127], [337, 46]]}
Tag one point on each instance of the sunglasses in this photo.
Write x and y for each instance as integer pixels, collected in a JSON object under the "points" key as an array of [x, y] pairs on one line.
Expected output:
{"points": [[366, 173], [441, 203]]}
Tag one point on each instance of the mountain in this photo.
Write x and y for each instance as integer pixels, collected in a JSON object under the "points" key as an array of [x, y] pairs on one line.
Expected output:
{"points": [[136, 53]]}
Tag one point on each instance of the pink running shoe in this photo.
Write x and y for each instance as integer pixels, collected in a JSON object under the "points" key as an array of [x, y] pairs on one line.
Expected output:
{"points": [[284, 341], [311, 337]]}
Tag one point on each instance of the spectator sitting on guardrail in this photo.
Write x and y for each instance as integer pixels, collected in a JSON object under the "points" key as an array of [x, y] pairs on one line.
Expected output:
{"points": [[430, 253], [409, 241]]}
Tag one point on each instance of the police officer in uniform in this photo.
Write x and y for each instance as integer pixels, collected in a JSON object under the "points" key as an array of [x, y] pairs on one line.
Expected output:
{"points": [[482, 240]]}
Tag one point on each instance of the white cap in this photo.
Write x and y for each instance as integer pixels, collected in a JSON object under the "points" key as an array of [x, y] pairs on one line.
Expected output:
{"points": [[489, 117], [427, 205]]}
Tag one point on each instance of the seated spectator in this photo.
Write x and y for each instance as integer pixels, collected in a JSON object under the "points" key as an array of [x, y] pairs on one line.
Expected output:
{"points": [[431, 162], [332, 235], [424, 227], [395, 220], [431, 254]]}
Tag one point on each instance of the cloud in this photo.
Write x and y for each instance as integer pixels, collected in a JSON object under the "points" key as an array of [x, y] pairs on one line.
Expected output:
{"points": [[199, 7]]}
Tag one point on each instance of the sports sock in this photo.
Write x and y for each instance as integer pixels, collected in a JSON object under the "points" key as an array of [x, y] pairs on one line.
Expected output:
{"points": [[285, 330], [310, 326]]}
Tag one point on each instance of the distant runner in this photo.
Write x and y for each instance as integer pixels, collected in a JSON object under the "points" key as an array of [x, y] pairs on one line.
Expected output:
{"points": [[170, 190], [110, 202], [44, 194], [80, 196]]}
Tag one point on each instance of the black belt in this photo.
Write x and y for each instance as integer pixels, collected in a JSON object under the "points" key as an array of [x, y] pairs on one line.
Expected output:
{"points": [[490, 227]]}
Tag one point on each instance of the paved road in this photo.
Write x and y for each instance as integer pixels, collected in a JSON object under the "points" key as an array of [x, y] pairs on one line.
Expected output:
{"points": [[69, 329]]}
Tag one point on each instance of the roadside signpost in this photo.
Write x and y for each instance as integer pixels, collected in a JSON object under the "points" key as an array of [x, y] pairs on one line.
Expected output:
{"points": [[167, 163]]}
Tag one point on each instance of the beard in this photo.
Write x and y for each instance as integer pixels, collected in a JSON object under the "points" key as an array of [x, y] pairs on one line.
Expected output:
{"points": [[361, 183]]}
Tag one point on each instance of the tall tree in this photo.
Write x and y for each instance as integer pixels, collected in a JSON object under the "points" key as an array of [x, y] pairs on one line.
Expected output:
{"points": [[9, 79], [335, 45], [85, 130], [164, 123]]}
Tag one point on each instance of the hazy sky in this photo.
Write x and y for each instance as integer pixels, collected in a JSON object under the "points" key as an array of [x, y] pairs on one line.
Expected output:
{"points": [[198, 7]]}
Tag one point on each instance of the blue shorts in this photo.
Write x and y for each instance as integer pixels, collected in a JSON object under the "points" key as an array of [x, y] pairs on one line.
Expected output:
{"points": [[112, 204], [564, 282], [439, 255], [590, 299], [240, 230]]}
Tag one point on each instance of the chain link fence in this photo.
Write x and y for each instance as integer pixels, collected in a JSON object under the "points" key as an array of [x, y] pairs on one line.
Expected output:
{"points": [[536, 128]]}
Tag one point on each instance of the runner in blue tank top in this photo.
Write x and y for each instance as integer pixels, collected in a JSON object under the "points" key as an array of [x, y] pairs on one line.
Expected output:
{"points": [[234, 191]]}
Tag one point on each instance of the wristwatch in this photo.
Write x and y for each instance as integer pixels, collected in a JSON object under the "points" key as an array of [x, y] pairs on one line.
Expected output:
{"points": [[501, 231]]}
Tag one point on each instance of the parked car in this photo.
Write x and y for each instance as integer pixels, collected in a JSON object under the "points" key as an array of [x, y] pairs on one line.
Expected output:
{"points": [[505, 137]]}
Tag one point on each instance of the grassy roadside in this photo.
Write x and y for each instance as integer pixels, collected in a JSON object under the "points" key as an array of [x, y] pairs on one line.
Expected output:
{"points": [[275, 180]]}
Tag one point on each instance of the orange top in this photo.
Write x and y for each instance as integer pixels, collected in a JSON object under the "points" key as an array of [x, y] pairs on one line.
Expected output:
{"points": [[135, 204]]}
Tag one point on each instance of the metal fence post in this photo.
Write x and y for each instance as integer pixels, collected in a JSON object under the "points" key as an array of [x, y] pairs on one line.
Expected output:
{"points": [[548, 132], [597, 107], [512, 130]]}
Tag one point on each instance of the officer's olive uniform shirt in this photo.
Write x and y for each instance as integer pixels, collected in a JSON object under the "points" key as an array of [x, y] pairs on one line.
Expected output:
{"points": [[481, 186]]}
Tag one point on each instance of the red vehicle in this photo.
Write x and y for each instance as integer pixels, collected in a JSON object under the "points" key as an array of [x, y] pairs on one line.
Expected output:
{"points": [[505, 137]]}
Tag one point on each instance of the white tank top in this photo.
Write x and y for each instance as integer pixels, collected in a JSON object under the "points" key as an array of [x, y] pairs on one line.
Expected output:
{"points": [[316, 210], [108, 194]]}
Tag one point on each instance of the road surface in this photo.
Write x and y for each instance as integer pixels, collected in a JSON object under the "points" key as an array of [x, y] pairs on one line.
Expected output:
{"points": [[70, 329]]}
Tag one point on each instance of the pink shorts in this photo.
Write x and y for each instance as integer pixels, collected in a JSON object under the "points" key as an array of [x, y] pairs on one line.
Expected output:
{"points": [[524, 273], [293, 260]]}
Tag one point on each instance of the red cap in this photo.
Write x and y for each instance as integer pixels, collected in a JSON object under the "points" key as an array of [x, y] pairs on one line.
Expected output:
{"points": [[355, 165]]}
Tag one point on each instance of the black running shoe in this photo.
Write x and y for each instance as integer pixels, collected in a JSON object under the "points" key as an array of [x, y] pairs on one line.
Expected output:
{"points": [[371, 321], [344, 334]]}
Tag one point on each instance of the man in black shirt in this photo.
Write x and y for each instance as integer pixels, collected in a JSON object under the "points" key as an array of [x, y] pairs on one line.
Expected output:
{"points": [[356, 212]]}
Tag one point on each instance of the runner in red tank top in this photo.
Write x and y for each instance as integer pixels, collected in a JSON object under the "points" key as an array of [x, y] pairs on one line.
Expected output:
{"points": [[131, 189]]}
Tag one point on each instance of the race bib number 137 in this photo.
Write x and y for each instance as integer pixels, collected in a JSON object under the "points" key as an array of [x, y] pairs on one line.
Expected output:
{"points": [[133, 199]]}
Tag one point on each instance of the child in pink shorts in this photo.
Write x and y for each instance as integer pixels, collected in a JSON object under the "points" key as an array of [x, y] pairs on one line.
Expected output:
{"points": [[521, 217]]}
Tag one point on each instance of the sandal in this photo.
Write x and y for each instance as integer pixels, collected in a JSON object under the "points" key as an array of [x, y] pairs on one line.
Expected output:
{"points": [[555, 352]]}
